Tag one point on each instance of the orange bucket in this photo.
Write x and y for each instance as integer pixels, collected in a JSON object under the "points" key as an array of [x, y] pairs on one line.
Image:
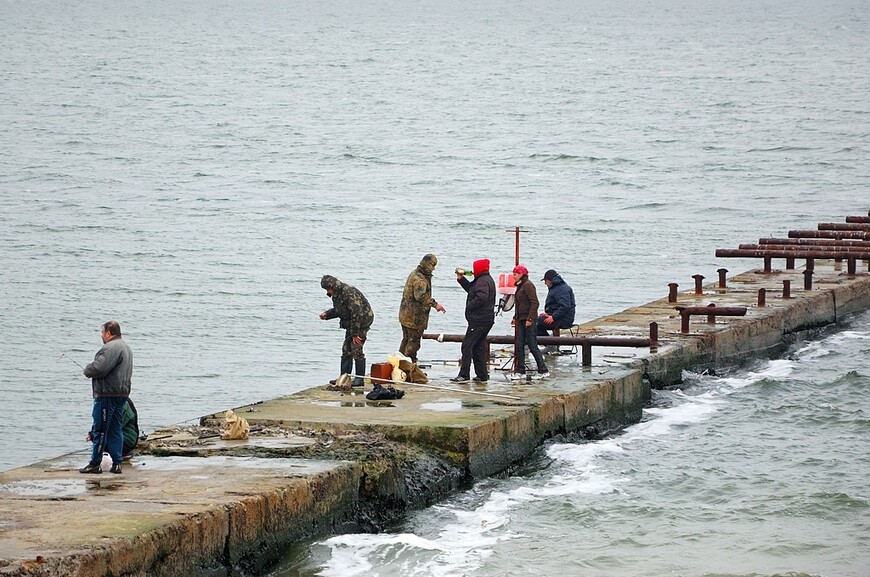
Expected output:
{"points": [[382, 371]]}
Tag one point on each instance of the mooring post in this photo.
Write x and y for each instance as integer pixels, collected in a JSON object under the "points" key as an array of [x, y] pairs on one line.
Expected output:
{"points": [[786, 289], [653, 334], [722, 272], [586, 354], [711, 318], [698, 280], [672, 292], [762, 295]]}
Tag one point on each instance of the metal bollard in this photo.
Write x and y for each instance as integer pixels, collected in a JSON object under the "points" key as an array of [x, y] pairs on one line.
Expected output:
{"points": [[808, 280], [722, 272], [653, 334], [786, 289], [672, 292], [762, 297], [698, 280], [711, 319]]}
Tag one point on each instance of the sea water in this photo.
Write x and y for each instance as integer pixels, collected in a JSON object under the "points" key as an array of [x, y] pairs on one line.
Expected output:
{"points": [[759, 471], [192, 170]]}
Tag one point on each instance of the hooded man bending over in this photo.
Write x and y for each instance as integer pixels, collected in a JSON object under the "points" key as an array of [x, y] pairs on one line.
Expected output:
{"points": [[356, 316]]}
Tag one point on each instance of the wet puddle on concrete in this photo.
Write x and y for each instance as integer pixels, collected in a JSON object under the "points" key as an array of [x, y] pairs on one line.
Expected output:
{"points": [[59, 488], [442, 406]]}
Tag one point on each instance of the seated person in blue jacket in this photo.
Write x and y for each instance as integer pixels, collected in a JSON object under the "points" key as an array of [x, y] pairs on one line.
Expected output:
{"points": [[559, 307]]}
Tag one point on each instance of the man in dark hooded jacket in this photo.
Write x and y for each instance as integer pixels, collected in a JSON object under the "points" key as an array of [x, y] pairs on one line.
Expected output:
{"points": [[417, 303], [480, 314], [559, 307], [356, 316]]}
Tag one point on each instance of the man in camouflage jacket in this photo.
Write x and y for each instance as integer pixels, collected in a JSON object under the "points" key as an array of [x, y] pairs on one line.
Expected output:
{"points": [[417, 302], [356, 316]]}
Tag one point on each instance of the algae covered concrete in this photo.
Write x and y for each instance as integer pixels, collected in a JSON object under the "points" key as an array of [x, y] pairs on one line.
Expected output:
{"points": [[166, 516], [481, 434], [320, 462]]}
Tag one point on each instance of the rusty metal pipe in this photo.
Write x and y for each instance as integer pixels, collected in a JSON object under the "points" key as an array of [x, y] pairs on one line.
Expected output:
{"points": [[806, 253], [722, 272], [786, 289], [699, 278], [653, 333], [814, 242], [710, 311], [844, 226], [834, 234], [580, 340], [808, 280], [865, 219], [794, 248], [762, 297]]}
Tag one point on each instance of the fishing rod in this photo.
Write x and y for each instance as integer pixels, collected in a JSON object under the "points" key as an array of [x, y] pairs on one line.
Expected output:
{"points": [[438, 387], [63, 356]]}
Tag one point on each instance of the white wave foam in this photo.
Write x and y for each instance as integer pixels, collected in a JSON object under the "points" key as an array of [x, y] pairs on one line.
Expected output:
{"points": [[464, 543], [460, 547]]}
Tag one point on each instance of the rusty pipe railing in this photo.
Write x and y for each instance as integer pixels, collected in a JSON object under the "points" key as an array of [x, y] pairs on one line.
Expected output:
{"points": [[851, 255], [585, 342], [802, 247], [814, 242], [862, 254], [835, 234], [711, 311], [855, 226]]}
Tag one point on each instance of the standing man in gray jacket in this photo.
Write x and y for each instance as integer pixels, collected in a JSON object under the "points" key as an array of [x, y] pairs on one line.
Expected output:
{"points": [[110, 375]]}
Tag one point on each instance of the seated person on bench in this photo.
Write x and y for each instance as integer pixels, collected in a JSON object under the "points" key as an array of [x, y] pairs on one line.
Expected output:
{"points": [[559, 307]]}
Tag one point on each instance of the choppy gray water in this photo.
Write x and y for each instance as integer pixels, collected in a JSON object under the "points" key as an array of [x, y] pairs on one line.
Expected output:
{"points": [[192, 169]]}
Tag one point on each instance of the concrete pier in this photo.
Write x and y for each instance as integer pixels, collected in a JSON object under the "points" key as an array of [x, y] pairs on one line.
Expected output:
{"points": [[320, 462]]}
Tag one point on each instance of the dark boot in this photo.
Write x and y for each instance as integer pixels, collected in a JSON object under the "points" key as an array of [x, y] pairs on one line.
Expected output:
{"points": [[346, 367], [360, 371]]}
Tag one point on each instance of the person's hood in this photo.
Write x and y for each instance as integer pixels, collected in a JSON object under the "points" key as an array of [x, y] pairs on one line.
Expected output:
{"points": [[557, 280], [330, 282], [427, 264], [480, 266]]}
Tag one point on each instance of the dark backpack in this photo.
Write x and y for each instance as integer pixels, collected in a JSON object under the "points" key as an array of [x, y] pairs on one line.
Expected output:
{"points": [[385, 394]]}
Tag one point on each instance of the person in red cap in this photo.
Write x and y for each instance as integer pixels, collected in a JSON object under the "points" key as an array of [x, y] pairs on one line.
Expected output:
{"points": [[480, 314], [525, 318]]}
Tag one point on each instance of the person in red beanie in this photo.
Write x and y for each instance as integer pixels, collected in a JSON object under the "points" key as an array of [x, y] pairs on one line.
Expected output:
{"points": [[480, 315], [525, 317]]}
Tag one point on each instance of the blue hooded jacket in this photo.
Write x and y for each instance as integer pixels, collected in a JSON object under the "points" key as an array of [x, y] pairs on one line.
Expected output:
{"points": [[560, 303]]}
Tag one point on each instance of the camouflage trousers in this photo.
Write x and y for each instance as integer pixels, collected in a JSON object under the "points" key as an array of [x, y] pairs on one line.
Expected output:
{"points": [[410, 342], [348, 349]]}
